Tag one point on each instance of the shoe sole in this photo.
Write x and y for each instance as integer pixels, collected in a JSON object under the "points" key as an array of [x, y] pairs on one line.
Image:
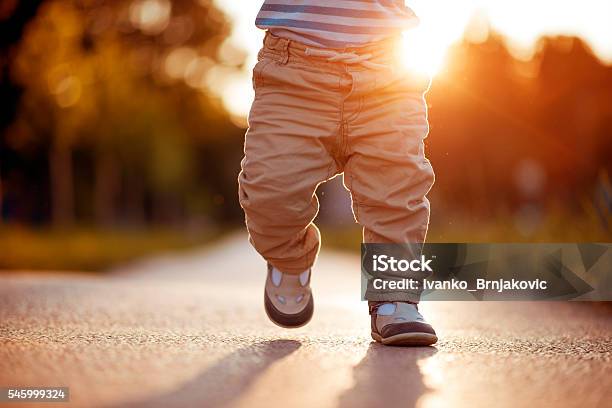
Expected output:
{"points": [[287, 321], [407, 339]]}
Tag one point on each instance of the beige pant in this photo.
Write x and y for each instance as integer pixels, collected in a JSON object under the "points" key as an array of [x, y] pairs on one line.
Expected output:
{"points": [[313, 119]]}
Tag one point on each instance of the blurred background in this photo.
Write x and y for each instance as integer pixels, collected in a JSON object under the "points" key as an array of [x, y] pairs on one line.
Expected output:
{"points": [[122, 124]]}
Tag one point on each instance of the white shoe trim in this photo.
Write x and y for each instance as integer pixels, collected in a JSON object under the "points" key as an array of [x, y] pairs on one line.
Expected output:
{"points": [[304, 276], [386, 309], [277, 277]]}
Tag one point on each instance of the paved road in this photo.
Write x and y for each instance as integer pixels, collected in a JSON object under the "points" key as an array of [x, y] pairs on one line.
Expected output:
{"points": [[189, 330]]}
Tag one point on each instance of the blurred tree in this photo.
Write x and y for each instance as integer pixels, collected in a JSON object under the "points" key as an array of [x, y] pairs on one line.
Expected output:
{"points": [[573, 92], [117, 77], [476, 110], [509, 135], [14, 15]]}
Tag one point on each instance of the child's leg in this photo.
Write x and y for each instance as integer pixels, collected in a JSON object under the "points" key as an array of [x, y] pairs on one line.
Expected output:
{"points": [[387, 172], [292, 126], [389, 177]]}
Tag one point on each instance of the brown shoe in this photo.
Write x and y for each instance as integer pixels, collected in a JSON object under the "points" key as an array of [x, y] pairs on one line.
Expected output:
{"points": [[400, 324], [288, 298]]}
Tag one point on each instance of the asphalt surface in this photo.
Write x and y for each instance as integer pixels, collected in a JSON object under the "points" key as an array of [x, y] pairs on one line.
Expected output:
{"points": [[189, 330]]}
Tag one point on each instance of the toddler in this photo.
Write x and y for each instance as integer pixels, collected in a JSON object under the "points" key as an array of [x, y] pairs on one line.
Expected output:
{"points": [[330, 98]]}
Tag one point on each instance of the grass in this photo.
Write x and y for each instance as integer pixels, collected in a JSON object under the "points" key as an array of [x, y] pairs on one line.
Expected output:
{"points": [[85, 249], [88, 249], [555, 227]]}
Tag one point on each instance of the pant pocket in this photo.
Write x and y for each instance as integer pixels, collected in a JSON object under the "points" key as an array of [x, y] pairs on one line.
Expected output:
{"points": [[258, 73]]}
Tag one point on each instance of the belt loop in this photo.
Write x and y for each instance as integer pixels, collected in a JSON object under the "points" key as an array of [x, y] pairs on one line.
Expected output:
{"points": [[285, 51]]}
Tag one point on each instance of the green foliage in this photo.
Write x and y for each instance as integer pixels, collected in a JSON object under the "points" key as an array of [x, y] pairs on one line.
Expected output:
{"points": [[89, 249]]}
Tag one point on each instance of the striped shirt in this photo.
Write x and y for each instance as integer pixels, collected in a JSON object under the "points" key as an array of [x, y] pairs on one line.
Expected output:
{"points": [[335, 23]]}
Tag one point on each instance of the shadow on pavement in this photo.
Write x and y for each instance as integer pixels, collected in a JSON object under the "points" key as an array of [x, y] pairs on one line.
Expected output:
{"points": [[387, 377], [225, 381]]}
